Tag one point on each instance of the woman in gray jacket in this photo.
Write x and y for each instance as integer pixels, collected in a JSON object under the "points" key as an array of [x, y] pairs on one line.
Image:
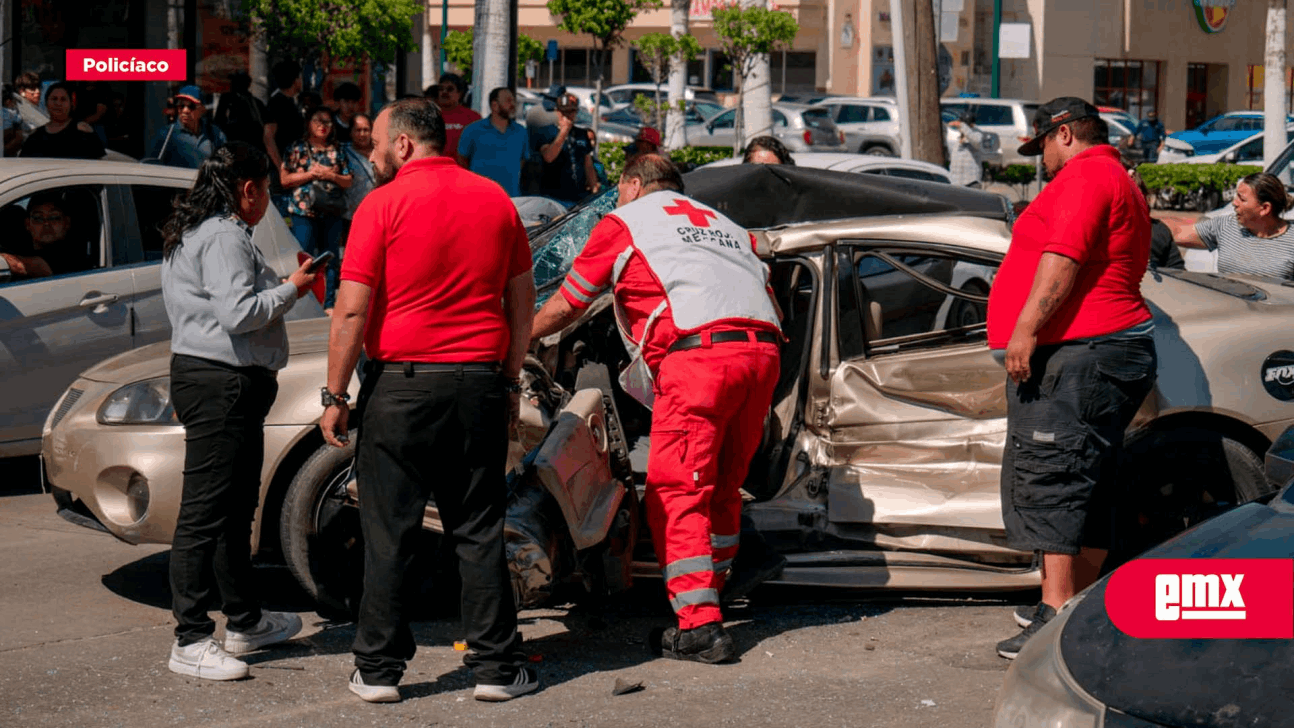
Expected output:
{"points": [[228, 341]]}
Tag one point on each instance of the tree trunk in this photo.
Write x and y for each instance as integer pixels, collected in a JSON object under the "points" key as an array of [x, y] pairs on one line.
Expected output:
{"points": [[603, 57], [430, 53], [1274, 104], [490, 51], [928, 128], [739, 116], [757, 91], [675, 121]]}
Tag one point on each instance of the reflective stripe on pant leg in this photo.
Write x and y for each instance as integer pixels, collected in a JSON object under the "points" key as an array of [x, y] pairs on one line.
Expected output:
{"points": [[695, 598], [691, 565]]}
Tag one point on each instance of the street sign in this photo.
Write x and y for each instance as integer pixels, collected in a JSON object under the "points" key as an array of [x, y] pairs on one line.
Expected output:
{"points": [[552, 51]]}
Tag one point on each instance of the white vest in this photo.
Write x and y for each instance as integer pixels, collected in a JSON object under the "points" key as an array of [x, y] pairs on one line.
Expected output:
{"points": [[704, 261]]}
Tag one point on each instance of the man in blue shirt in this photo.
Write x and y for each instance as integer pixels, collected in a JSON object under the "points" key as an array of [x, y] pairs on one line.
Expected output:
{"points": [[495, 147], [192, 139], [1150, 134]]}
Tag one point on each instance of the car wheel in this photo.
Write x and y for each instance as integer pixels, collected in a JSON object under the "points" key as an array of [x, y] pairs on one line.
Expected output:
{"points": [[320, 534], [1174, 479], [878, 151], [964, 313]]}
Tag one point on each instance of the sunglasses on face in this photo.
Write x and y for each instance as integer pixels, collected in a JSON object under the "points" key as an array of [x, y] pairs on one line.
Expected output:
{"points": [[186, 106]]}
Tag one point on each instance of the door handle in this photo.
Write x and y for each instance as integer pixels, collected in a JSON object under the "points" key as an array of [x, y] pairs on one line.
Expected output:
{"points": [[96, 301]]}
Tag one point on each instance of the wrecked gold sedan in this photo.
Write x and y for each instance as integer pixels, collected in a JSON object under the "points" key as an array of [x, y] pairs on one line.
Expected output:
{"points": [[880, 460]]}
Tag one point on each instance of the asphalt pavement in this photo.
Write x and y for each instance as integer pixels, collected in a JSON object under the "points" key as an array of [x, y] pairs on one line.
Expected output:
{"points": [[87, 629]]}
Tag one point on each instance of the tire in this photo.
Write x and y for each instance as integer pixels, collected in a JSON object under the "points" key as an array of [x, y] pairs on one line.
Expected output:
{"points": [[1174, 479], [968, 313], [878, 151], [320, 535]]}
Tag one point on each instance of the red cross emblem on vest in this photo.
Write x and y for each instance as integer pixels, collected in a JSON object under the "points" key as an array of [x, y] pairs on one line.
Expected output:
{"points": [[695, 215]]}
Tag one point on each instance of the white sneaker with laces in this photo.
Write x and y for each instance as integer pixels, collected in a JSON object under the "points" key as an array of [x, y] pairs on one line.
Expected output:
{"points": [[526, 681], [206, 660], [274, 627], [373, 693]]}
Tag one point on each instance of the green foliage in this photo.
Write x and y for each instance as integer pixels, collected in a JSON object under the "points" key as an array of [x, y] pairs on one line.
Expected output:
{"points": [[613, 157], [747, 33], [1012, 174], [347, 30], [458, 51], [605, 20], [528, 49], [655, 51], [1186, 178]]}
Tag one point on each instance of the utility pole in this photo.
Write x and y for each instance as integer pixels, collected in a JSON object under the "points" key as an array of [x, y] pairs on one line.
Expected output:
{"points": [[927, 124], [1274, 111], [429, 74], [901, 88]]}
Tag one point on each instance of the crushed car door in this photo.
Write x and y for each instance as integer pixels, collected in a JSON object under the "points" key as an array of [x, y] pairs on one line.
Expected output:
{"points": [[917, 410]]}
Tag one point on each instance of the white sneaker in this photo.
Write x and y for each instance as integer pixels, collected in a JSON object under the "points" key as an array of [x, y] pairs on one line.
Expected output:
{"points": [[273, 628], [373, 693], [526, 681], [206, 660]]}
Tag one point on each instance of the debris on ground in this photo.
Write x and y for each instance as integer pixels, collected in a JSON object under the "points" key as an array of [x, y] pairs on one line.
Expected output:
{"points": [[624, 687]]}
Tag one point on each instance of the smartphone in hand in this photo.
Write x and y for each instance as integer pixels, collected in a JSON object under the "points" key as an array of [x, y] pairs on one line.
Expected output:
{"points": [[321, 261]]}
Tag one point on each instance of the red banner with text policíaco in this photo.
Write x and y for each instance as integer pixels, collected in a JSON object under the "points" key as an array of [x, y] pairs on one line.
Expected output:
{"points": [[122, 64]]}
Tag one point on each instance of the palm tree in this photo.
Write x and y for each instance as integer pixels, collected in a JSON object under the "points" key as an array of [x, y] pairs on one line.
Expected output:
{"points": [[757, 89], [1274, 83], [492, 50], [675, 120]]}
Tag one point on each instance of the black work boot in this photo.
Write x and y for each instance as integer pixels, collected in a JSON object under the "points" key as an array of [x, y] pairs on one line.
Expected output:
{"points": [[709, 643], [1009, 648]]}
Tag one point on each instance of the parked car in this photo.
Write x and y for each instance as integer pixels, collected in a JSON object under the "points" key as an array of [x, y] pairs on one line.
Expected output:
{"points": [[1010, 119], [1218, 133], [531, 112], [860, 164], [585, 94], [1123, 138], [880, 464], [871, 125], [695, 113], [55, 328], [800, 128], [1248, 150], [624, 94], [1080, 670], [810, 99]]}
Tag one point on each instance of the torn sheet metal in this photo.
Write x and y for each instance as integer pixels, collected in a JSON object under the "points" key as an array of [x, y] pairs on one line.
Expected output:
{"points": [[573, 465]]}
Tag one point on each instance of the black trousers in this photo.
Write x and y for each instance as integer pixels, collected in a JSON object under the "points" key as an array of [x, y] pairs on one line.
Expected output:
{"points": [[441, 435], [223, 411], [1065, 429]]}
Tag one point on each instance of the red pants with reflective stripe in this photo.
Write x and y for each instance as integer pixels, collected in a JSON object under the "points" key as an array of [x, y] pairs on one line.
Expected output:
{"points": [[707, 423]]}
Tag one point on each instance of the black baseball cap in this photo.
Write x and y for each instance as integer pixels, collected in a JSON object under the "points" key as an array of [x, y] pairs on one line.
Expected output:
{"points": [[1051, 115]]}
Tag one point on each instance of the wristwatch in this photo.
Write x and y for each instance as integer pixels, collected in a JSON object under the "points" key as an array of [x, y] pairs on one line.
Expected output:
{"points": [[328, 399]]}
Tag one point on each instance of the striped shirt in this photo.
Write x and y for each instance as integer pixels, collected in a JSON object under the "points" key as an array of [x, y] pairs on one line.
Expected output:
{"points": [[1240, 251]]}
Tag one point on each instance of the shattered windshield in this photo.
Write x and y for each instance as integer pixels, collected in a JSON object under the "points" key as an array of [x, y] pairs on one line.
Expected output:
{"points": [[555, 248]]}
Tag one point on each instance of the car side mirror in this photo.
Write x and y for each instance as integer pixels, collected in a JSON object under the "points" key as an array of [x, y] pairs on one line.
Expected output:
{"points": [[1231, 158], [5, 274]]}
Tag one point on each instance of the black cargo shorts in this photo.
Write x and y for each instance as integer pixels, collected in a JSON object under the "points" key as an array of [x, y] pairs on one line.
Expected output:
{"points": [[1065, 428]]}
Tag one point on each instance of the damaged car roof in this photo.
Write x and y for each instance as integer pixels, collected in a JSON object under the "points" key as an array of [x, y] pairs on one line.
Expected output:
{"points": [[772, 195]]}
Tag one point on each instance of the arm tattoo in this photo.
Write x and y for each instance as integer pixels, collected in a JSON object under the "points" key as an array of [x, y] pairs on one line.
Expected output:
{"points": [[1050, 300]]}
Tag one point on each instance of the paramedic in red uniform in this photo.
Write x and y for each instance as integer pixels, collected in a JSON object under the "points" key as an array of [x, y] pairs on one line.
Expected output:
{"points": [[694, 308]]}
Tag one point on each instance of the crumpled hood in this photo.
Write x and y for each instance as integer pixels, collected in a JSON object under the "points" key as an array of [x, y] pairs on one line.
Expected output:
{"points": [[1203, 682], [307, 336]]}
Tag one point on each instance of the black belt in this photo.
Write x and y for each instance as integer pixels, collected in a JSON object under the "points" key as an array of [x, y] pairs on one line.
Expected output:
{"points": [[409, 368], [696, 341]]}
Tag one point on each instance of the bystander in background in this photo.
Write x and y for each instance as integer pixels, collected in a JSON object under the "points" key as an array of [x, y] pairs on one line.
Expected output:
{"points": [[192, 139], [62, 136], [318, 173], [496, 146]]}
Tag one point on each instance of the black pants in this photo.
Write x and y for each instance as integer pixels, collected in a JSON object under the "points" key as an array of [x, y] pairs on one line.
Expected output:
{"points": [[441, 435], [1065, 428], [223, 411]]}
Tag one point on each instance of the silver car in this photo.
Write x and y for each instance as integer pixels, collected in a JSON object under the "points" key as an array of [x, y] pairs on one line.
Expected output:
{"points": [[52, 329], [801, 128]]}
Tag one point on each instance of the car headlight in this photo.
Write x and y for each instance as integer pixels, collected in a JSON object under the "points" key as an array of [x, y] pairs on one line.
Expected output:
{"points": [[1040, 691], [141, 403]]}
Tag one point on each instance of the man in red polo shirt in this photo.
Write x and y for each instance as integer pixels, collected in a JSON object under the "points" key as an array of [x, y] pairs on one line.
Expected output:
{"points": [[437, 286], [1076, 337], [695, 311]]}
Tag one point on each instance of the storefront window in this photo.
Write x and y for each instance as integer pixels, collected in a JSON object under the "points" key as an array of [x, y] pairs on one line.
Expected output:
{"points": [[1257, 80], [1129, 85]]}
